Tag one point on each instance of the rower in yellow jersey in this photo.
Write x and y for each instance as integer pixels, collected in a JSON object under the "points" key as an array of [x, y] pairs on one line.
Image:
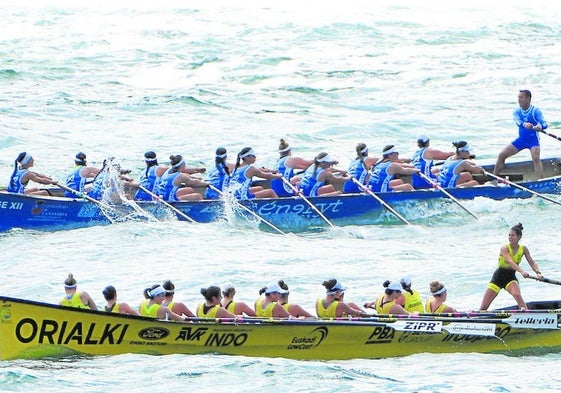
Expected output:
{"points": [[74, 298]]}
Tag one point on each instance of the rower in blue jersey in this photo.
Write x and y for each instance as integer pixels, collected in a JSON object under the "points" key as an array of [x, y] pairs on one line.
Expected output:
{"points": [[176, 185], [242, 177], [219, 176], [321, 178], [22, 175], [287, 166], [77, 179], [359, 169], [151, 177], [423, 159], [383, 175], [457, 169], [530, 122]]}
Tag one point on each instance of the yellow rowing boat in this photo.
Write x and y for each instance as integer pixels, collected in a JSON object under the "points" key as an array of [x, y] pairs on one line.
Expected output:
{"points": [[30, 329]]}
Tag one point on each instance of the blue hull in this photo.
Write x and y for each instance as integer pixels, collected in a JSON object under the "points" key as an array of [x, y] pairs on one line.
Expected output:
{"points": [[289, 214], [30, 212]]}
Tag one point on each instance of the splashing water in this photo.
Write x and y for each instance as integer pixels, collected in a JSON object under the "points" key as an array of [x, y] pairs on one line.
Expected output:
{"points": [[117, 204]]}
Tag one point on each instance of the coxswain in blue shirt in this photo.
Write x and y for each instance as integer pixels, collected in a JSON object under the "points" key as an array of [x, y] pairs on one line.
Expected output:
{"points": [[530, 122]]}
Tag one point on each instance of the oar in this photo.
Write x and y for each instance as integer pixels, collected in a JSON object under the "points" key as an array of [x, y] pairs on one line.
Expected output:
{"points": [[373, 195], [301, 194], [89, 199], [159, 198], [551, 135], [547, 280], [249, 211], [441, 189], [522, 188]]}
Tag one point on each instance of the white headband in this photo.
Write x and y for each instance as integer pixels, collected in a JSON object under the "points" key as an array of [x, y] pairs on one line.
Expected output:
{"points": [[284, 150], [326, 158], [222, 156], [179, 164], [249, 153], [26, 159], [365, 150], [440, 291], [467, 147], [150, 159], [390, 151], [157, 291]]}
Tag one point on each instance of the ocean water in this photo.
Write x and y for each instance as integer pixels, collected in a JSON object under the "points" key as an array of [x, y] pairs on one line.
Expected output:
{"points": [[187, 77]]}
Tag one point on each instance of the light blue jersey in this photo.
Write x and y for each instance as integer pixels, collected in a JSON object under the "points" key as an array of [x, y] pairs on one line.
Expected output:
{"points": [[424, 166], [447, 176], [15, 184], [380, 178]]}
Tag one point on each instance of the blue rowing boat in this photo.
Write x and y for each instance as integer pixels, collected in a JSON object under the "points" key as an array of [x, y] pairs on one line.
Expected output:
{"points": [[290, 214]]}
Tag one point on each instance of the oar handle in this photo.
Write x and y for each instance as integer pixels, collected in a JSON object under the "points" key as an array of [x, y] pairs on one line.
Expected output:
{"points": [[546, 280], [549, 134]]}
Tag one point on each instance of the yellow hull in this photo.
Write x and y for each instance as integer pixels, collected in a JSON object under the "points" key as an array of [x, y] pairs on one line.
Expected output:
{"points": [[35, 330]]}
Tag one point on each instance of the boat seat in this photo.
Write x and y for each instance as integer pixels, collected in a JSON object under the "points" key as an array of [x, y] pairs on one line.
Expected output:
{"points": [[481, 178]]}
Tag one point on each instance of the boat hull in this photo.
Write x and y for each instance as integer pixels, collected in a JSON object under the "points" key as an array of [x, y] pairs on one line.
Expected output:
{"points": [[289, 214], [36, 330]]}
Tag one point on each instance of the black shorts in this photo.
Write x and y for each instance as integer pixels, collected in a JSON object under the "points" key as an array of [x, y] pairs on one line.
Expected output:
{"points": [[503, 276]]}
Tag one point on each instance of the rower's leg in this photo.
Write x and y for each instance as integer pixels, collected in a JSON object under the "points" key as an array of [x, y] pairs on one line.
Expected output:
{"points": [[538, 167], [508, 151]]}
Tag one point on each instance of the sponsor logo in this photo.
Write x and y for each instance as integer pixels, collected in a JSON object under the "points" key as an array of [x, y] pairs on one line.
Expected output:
{"points": [[212, 338], [48, 331], [89, 210], [414, 337], [418, 326], [470, 338], [301, 209], [37, 208], [191, 334], [475, 329], [310, 341], [534, 321], [381, 335], [5, 313], [11, 205], [153, 333]]}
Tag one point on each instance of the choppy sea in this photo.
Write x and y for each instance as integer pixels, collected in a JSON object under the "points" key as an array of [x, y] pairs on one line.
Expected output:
{"points": [[119, 78]]}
